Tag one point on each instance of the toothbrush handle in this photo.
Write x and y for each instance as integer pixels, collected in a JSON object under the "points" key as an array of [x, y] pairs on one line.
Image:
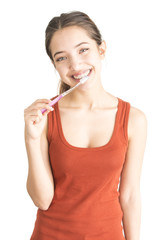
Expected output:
{"points": [[52, 102]]}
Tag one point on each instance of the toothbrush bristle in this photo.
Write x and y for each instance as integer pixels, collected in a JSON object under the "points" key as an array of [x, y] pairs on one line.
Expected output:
{"points": [[83, 80]]}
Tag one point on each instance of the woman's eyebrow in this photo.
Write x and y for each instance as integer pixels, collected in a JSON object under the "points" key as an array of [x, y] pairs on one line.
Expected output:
{"points": [[74, 47]]}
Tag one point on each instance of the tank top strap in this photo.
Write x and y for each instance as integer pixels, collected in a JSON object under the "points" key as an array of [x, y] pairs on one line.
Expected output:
{"points": [[123, 120], [52, 123]]}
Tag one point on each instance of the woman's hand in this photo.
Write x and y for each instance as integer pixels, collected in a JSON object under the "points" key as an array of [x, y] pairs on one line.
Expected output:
{"points": [[35, 120]]}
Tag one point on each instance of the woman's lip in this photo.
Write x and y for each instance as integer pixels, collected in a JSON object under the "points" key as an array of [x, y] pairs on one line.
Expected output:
{"points": [[81, 72], [82, 77]]}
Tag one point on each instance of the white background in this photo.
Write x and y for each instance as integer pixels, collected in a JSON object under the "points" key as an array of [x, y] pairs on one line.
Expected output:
{"points": [[129, 72]]}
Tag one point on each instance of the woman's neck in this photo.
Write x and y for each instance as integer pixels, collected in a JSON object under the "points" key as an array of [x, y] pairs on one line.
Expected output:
{"points": [[94, 97]]}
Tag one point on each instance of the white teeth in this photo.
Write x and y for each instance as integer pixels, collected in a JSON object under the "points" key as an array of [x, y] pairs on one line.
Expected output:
{"points": [[82, 75]]}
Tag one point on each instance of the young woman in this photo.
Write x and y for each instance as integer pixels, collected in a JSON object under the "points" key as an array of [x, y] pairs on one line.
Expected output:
{"points": [[85, 154]]}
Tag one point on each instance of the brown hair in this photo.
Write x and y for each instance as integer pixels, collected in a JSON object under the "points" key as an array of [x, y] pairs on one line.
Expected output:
{"points": [[74, 18]]}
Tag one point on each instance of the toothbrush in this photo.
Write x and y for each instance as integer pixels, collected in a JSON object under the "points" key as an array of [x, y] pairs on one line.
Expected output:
{"points": [[83, 80]]}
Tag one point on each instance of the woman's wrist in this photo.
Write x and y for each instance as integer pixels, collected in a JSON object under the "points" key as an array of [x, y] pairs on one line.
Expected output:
{"points": [[29, 140]]}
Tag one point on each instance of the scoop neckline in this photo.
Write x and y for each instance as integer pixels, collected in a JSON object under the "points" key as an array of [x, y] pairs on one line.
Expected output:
{"points": [[65, 142]]}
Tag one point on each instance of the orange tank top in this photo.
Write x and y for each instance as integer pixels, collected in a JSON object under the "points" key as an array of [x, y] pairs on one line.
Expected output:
{"points": [[86, 203]]}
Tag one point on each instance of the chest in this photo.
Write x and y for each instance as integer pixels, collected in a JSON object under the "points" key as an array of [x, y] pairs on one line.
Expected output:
{"points": [[82, 128]]}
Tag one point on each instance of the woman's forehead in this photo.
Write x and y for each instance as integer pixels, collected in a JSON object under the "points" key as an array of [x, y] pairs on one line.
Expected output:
{"points": [[69, 37]]}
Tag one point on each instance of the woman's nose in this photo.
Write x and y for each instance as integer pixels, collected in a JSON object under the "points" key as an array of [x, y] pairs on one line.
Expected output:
{"points": [[74, 63]]}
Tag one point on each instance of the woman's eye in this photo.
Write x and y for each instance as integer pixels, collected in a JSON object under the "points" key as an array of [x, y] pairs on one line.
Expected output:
{"points": [[84, 50], [60, 59]]}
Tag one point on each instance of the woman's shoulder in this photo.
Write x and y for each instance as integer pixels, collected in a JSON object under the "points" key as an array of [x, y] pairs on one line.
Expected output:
{"points": [[137, 121], [137, 116]]}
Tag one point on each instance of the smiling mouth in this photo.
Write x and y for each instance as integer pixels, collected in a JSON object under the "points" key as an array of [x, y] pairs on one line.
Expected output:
{"points": [[79, 77]]}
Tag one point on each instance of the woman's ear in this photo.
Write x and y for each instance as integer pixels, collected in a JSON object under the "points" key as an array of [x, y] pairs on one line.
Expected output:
{"points": [[102, 49]]}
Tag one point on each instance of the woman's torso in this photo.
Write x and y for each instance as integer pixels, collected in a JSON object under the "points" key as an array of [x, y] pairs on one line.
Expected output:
{"points": [[87, 151]]}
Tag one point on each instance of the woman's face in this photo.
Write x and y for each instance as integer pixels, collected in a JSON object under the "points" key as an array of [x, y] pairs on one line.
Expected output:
{"points": [[76, 55]]}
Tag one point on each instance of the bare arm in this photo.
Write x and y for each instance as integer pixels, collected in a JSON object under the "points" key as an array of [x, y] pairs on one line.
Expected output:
{"points": [[40, 185], [130, 179]]}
